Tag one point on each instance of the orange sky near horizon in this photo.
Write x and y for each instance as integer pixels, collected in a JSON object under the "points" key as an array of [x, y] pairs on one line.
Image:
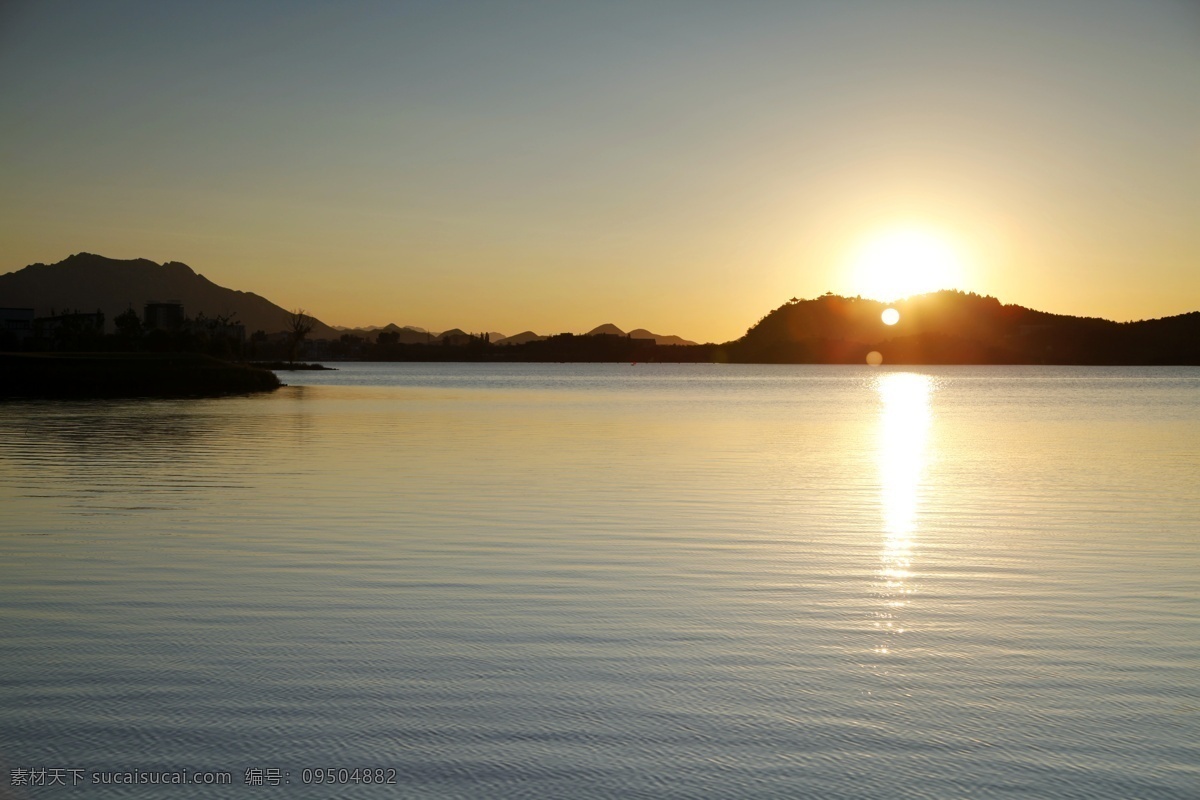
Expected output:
{"points": [[683, 168]]}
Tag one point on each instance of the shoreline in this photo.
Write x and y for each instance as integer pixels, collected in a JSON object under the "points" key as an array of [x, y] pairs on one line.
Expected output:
{"points": [[127, 375]]}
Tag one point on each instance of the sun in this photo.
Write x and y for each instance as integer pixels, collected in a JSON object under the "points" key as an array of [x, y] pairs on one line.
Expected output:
{"points": [[903, 261]]}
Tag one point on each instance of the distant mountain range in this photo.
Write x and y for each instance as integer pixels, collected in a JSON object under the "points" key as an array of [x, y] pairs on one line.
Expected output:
{"points": [[520, 338], [411, 334], [87, 282], [609, 329], [946, 327]]}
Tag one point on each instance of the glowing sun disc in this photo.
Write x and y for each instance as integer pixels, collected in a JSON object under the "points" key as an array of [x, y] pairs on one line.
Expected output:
{"points": [[890, 316], [901, 262]]}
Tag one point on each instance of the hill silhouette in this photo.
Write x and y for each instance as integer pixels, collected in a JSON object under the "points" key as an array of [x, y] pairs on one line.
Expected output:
{"points": [[519, 338], [88, 282], [608, 329], [410, 334], [407, 334], [642, 333], [952, 327]]}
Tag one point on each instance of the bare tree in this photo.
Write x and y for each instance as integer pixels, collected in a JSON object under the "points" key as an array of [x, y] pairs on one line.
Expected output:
{"points": [[300, 324]]}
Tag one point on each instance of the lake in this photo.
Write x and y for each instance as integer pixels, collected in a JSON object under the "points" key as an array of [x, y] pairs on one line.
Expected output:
{"points": [[608, 580]]}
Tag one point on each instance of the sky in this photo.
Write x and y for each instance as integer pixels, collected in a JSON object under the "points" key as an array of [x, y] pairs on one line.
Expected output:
{"points": [[679, 166]]}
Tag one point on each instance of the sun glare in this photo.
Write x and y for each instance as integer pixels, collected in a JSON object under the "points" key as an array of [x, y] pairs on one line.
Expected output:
{"points": [[901, 262]]}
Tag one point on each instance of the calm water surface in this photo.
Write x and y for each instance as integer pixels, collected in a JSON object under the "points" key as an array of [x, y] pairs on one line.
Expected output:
{"points": [[587, 581]]}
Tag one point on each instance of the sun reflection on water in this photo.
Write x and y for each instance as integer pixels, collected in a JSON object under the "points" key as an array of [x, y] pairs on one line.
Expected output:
{"points": [[903, 434]]}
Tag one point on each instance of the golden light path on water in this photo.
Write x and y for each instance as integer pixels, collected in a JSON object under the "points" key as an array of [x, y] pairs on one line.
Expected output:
{"points": [[903, 433]]}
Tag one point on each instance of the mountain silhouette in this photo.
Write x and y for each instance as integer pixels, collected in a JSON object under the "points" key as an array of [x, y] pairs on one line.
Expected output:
{"points": [[608, 329], [519, 338], [409, 334], [642, 333], [88, 282], [391, 326]]}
